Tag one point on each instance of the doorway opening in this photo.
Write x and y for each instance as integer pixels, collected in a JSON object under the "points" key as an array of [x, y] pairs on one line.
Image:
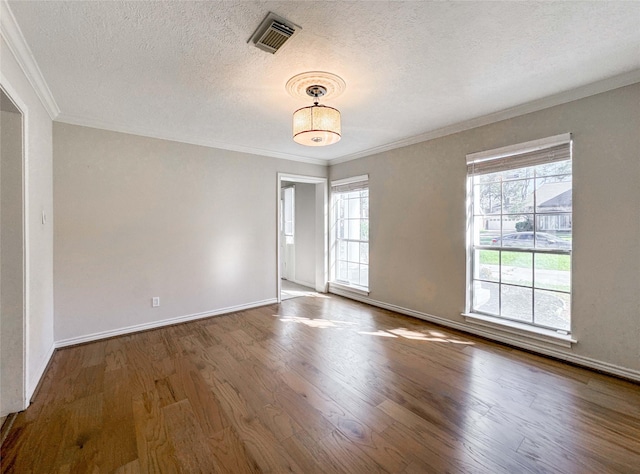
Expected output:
{"points": [[12, 258], [302, 260]]}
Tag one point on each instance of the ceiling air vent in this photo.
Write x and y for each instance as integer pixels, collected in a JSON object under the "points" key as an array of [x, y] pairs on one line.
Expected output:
{"points": [[273, 33]]}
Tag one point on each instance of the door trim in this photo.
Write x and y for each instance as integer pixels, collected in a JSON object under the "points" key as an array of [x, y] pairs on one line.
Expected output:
{"points": [[322, 222], [11, 92]]}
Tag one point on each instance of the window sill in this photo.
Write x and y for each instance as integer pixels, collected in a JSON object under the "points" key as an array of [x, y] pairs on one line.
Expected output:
{"points": [[513, 327], [352, 289]]}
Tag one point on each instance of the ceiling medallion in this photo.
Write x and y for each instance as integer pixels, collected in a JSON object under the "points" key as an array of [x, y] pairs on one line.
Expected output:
{"points": [[297, 86], [317, 125]]}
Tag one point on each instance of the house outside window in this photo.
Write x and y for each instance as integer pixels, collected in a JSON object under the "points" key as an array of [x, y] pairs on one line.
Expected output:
{"points": [[350, 232], [520, 234]]}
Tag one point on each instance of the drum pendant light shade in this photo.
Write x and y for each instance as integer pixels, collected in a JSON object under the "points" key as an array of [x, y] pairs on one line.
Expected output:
{"points": [[317, 125]]}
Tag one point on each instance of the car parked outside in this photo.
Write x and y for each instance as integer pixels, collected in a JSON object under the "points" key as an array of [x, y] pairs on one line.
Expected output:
{"points": [[526, 239]]}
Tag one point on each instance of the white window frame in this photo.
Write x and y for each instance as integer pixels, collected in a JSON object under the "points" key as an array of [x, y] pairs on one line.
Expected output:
{"points": [[495, 158], [334, 240]]}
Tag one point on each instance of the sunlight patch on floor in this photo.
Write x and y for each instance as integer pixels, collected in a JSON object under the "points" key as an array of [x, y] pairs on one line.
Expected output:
{"points": [[430, 336]]}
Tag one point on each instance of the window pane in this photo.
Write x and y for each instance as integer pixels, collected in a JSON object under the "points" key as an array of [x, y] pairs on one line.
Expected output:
{"points": [[557, 167], [342, 271], [481, 234], [341, 228], [488, 178], [364, 229], [364, 253], [517, 231], [553, 272], [553, 231], [364, 207], [517, 268], [488, 199], [354, 229], [553, 194], [517, 196], [342, 250], [518, 173], [354, 252], [354, 208], [487, 265], [288, 228], [340, 208], [486, 297], [289, 211], [364, 275], [354, 272], [545, 240], [553, 309], [517, 303]]}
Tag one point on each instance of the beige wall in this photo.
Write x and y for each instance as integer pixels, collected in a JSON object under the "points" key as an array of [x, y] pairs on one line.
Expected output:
{"points": [[139, 217], [418, 218], [39, 243]]}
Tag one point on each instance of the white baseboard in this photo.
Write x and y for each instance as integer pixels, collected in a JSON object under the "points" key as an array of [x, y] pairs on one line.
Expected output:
{"points": [[35, 378], [510, 339], [157, 324]]}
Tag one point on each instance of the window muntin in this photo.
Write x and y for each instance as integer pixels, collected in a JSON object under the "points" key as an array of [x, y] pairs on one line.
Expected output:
{"points": [[350, 250], [521, 239]]}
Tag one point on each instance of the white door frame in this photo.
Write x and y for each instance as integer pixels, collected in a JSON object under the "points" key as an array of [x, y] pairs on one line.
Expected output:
{"points": [[24, 353], [289, 256], [322, 222]]}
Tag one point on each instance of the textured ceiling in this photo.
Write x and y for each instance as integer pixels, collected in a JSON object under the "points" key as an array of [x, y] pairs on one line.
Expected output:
{"points": [[184, 70]]}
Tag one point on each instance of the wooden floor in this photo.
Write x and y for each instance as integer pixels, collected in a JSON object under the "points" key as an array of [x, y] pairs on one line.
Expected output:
{"points": [[320, 384]]}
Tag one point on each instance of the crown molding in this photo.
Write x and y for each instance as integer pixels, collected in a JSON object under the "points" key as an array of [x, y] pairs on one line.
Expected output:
{"points": [[581, 92], [192, 140], [12, 34]]}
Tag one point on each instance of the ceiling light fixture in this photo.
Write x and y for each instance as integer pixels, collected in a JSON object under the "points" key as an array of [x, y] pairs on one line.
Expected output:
{"points": [[317, 125]]}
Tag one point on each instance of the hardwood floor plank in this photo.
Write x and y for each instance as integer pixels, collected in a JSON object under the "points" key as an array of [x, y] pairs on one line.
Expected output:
{"points": [[422, 457], [132, 467], [347, 455], [231, 453], [260, 443], [202, 401], [482, 452], [259, 390], [189, 442], [82, 448], [155, 452], [361, 406], [118, 436], [555, 458], [320, 385], [115, 356], [310, 455]]}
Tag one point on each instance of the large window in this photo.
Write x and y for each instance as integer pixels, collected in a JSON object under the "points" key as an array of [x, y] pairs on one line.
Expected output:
{"points": [[350, 232], [520, 233]]}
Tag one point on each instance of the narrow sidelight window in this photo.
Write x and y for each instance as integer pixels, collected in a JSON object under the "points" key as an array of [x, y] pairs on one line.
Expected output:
{"points": [[350, 232]]}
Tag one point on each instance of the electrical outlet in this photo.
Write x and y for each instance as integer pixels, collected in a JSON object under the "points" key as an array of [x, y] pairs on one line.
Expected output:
{"points": [[155, 301]]}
